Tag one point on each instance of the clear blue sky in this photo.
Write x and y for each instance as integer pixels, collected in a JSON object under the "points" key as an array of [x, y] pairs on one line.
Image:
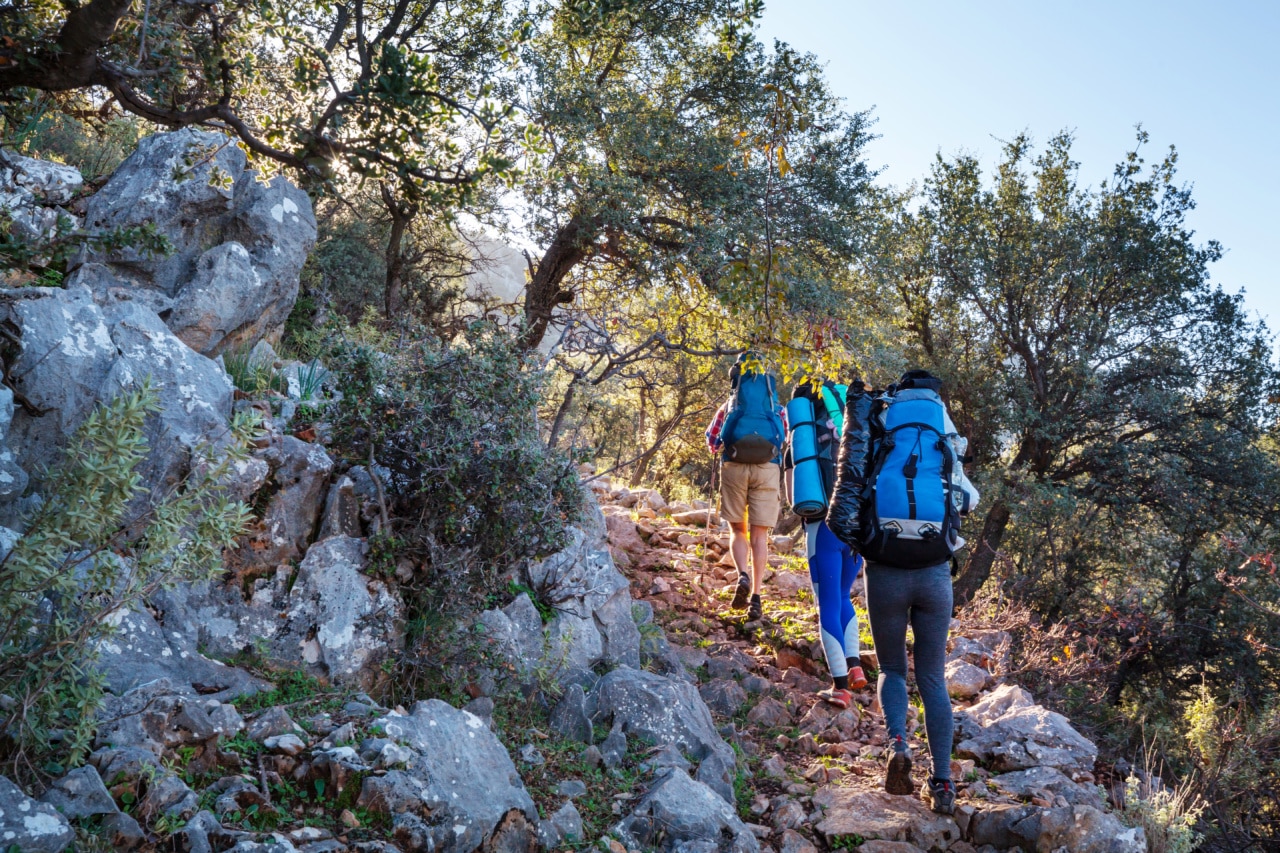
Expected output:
{"points": [[957, 76]]}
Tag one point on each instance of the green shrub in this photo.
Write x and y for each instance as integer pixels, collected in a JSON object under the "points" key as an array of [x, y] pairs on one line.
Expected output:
{"points": [[99, 545], [1167, 816], [454, 428]]}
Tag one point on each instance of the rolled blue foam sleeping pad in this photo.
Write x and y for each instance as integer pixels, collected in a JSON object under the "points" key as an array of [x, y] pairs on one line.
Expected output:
{"points": [[808, 497]]}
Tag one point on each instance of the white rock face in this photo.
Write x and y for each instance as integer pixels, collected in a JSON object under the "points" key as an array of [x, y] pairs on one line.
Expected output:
{"points": [[238, 243], [31, 192], [330, 619]]}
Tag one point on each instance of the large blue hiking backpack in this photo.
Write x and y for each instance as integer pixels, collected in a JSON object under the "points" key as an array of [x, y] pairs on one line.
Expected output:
{"points": [[752, 431], [912, 517]]}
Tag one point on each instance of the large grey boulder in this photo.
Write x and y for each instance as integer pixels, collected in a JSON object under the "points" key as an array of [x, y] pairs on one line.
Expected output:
{"points": [[457, 784], [75, 353], [1048, 783], [239, 243], [678, 811], [139, 652], [1080, 829], [162, 716], [80, 794], [590, 597], [658, 709], [1026, 737], [30, 826], [326, 617], [591, 623]]}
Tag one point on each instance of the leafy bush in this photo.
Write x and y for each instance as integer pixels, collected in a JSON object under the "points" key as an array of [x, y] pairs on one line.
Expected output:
{"points": [[1167, 816], [453, 429], [96, 548]]}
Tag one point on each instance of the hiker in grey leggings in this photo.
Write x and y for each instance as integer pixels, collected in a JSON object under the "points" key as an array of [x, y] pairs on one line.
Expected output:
{"points": [[920, 598], [900, 492]]}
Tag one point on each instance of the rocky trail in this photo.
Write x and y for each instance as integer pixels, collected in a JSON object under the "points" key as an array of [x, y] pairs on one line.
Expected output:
{"points": [[607, 698], [1024, 775]]}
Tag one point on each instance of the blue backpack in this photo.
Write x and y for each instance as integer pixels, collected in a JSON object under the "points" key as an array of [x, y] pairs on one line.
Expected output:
{"points": [[752, 429], [912, 517]]}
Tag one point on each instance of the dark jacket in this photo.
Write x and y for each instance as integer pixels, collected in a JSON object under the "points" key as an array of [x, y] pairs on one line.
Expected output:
{"points": [[844, 516]]}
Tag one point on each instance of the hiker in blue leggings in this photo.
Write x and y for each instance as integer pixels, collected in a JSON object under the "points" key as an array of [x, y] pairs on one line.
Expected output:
{"points": [[832, 571], [833, 567]]}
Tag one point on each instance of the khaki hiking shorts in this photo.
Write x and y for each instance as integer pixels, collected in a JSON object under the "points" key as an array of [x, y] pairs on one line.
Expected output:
{"points": [[750, 493]]}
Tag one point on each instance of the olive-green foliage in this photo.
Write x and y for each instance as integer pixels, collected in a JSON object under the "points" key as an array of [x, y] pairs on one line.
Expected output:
{"points": [[453, 427], [47, 128], [1117, 403], [95, 549], [688, 156]]}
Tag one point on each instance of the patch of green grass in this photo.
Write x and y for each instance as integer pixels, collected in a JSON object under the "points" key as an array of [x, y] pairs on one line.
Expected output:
{"points": [[292, 687]]}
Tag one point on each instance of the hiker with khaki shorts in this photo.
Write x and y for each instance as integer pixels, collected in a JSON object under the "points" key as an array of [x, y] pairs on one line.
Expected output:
{"points": [[748, 431]]}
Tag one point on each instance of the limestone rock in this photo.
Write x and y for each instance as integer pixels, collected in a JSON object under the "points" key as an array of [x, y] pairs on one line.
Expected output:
{"points": [[570, 718], [140, 652], [964, 680], [724, 696], [592, 623], [623, 535], [770, 713], [1030, 737], [330, 618], [697, 518], [161, 716], [677, 811], [660, 709], [1000, 701], [239, 243], [75, 353], [28, 825], [300, 476], [1040, 781], [31, 192], [341, 514], [80, 794], [876, 815], [460, 775], [1080, 829]]}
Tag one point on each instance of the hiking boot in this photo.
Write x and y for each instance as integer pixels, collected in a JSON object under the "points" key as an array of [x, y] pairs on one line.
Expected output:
{"points": [[756, 610], [897, 775], [857, 678], [940, 795], [836, 697], [742, 593]]}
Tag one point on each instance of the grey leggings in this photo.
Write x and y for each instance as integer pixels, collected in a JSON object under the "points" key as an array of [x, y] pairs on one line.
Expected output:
{"points": [[921, 597]]}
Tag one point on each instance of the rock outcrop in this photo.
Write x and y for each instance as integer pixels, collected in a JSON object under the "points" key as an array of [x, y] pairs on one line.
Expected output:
{"points": [[326, 616], [238, 243]]}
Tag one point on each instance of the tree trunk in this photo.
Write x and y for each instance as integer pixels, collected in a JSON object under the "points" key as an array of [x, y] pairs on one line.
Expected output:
{"points": [[983, 555], [401, 216], [571, 245], [558, 424]]}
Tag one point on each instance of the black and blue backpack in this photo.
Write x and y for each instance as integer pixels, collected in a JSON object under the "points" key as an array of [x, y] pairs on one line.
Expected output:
{"points": [[752, 430], [914, 499]]}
